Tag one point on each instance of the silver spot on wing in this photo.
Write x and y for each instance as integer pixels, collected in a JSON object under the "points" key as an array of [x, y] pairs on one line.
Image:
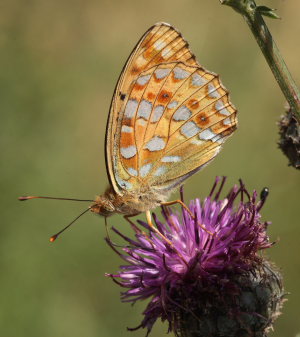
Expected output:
{"points": [[160, 171], [206, 134], [159, 44], [128, 152], [126, 129], [142, 80], [132, 171], [162, 73], [157, 113], [155, 144], [198, 81], [182, 114], [171, 159], [212, 91], [172, 104], [180, 73], [144, 170], [130, 108], [189, 129], [144, 110], [123, 183], [221, 108]]}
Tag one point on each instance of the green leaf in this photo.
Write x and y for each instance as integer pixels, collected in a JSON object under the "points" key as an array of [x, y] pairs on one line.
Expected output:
{"points": [[266, 11]]}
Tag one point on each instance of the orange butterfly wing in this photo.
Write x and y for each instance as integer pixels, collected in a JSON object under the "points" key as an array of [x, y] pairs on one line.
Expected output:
{"points": [[168, 116]]}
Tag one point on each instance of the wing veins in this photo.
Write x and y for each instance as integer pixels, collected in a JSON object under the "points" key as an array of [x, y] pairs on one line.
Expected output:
{"points": [[175, 63], [162, 63], [159, 37], [186, 140], [139, 103], [155, 100], [187, 51], [173, 47], [195, 93], [159, 51], [177, 108], [135, 119], [197, 113], [173, 94], [205, 152]]}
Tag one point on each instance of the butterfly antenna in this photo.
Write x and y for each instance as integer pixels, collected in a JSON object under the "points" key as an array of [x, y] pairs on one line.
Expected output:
{"points": [[52, 198], [55, 236]]}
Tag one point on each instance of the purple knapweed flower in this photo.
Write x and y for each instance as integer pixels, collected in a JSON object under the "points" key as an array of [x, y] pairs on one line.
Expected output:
{"points": [[202, 271]]}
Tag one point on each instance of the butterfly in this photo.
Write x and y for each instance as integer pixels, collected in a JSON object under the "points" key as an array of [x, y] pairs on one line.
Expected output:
{"points": [[168, 119]]}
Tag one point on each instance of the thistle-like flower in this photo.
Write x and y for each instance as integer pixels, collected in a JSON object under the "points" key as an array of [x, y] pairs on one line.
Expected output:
{"points": [[203, 274]]}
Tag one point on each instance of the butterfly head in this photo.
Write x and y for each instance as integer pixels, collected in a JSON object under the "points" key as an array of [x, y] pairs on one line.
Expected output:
{"points": [[102, 206]]}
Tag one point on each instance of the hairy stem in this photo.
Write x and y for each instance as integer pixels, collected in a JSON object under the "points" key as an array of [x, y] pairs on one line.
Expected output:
{"points": [[252, 15]]}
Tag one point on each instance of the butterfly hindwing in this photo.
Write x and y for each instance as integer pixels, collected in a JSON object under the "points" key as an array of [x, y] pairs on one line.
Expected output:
{"points": [[168, 117], [196, 118]]}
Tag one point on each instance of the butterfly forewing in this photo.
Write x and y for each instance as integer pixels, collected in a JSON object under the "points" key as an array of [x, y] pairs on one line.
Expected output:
{"points": [[168, 117]]}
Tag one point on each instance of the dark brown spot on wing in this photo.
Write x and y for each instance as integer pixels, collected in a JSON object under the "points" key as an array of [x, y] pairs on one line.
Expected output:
{"points": [[229, 130], [193, 103], [128, 121], [135, 70], [151, 96], [164, 96], [122, 96], [202, 120], [139, 86], [147, 43], [149, 53], [157, 59]]}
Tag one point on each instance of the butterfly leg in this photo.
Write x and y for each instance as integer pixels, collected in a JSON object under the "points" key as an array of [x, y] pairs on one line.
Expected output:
{"points": [[149, 221], [169, 203], [108, 236]]}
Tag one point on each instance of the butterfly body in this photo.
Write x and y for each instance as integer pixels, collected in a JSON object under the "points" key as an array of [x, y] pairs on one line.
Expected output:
{"points": [[130, 203]]}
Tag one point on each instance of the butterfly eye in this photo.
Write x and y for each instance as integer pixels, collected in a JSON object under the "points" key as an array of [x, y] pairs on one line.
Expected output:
{"points": [[103, 207]]}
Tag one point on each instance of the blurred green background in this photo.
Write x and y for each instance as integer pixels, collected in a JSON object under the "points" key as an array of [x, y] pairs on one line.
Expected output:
{"points": [[59, 64]]}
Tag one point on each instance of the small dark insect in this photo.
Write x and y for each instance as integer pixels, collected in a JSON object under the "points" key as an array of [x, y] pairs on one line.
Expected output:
{"points": [[264, 193]]}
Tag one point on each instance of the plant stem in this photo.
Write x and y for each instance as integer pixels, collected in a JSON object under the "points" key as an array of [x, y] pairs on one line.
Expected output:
{"points": [[248, 9]]}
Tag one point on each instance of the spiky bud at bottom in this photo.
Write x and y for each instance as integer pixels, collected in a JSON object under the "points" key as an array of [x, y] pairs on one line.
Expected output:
{"points": [[289, 142], [244, 305]]}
